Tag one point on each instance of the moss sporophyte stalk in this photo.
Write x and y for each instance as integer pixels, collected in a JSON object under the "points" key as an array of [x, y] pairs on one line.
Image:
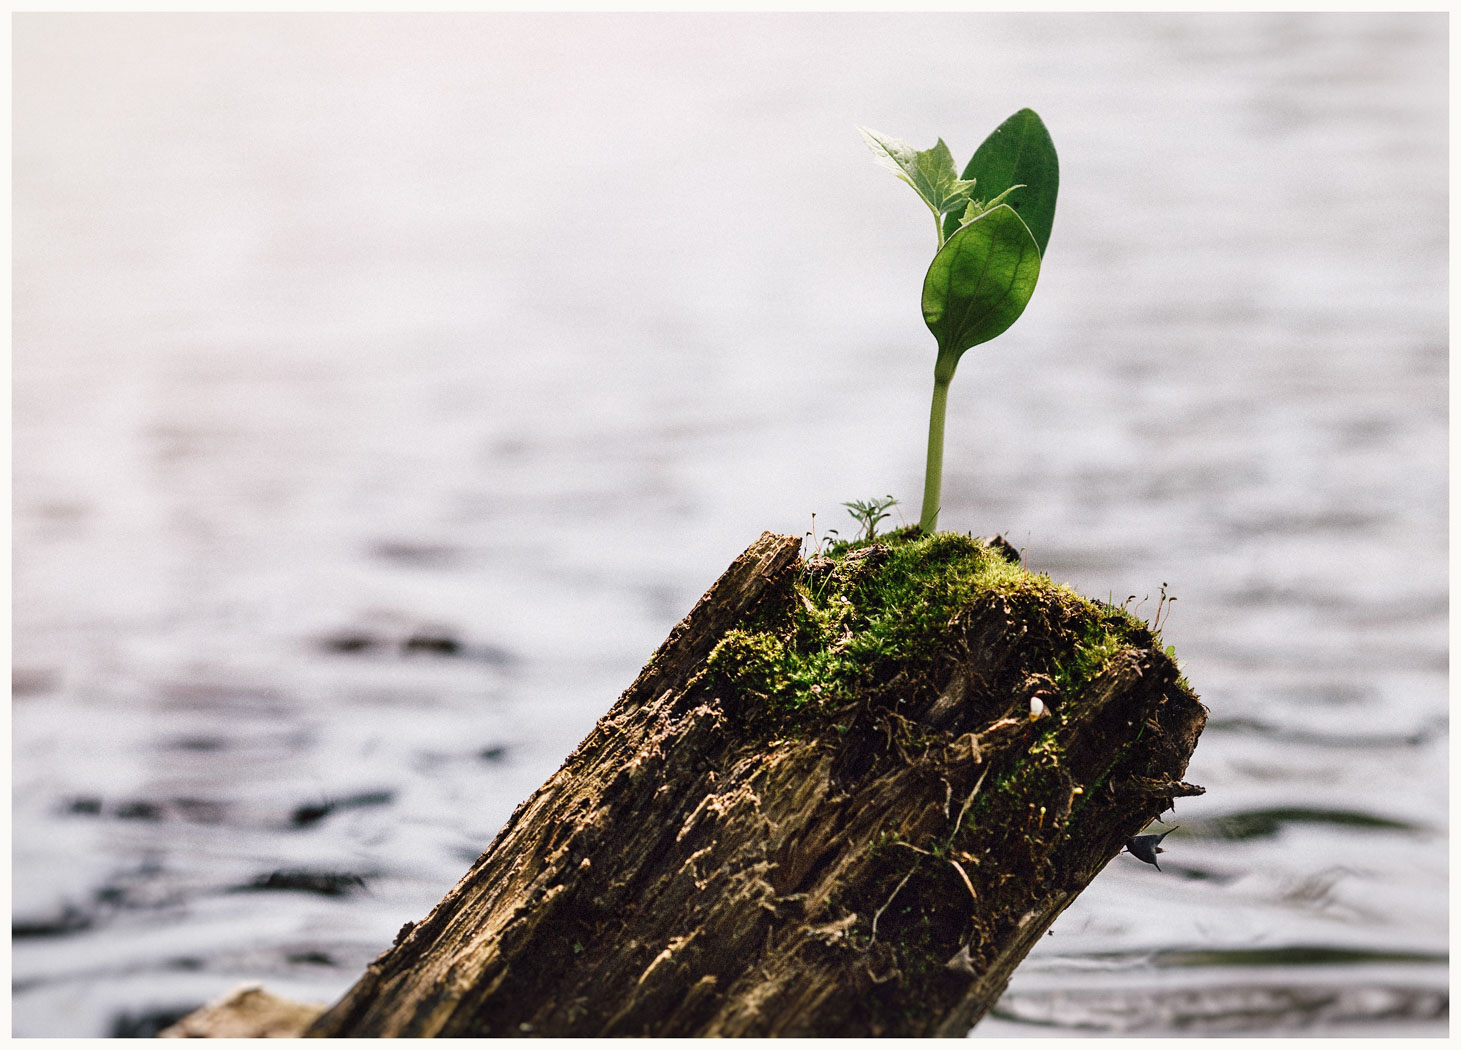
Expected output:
{"points": [[989, 249]]}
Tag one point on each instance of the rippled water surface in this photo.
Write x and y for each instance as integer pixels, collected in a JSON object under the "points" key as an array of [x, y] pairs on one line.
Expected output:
{"points": [[385, 389]]}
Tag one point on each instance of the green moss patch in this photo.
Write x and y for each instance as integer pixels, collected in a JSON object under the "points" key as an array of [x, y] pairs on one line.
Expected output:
{"points": [[870, 621]]}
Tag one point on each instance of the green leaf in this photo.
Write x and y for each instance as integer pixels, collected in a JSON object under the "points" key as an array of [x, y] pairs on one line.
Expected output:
{"points": [[977, 208], [1018, 151], [980, 281], [930, 172]]}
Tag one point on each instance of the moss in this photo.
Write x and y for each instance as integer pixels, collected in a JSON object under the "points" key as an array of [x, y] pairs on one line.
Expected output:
{"points": [[871, 617], [1098, 643], [754, 660]]}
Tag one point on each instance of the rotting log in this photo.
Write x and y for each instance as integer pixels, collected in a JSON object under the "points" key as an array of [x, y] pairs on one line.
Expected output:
{"points": [[708, 864]]}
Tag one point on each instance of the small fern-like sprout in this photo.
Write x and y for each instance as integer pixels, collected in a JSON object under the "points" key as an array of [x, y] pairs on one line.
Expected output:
{"points": [[867, 514]]}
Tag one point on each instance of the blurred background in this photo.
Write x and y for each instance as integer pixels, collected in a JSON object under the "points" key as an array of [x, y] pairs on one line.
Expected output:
{"points": [[386, 388]]}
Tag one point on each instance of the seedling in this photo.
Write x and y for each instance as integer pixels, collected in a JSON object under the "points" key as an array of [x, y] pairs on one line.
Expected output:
{"points": [[867, 514], [989, 249]]}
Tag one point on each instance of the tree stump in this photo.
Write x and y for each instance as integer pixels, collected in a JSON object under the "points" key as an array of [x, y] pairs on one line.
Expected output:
{"points": [[824, 808]]}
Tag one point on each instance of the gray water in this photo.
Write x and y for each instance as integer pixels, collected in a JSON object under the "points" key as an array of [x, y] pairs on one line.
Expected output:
{"points": [[386, 388]]}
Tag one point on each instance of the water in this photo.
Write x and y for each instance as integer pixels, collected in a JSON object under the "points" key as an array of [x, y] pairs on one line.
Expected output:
{"points": [[386, 388]]}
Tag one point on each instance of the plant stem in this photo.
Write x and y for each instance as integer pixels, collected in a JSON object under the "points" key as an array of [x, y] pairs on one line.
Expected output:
{"points": [[933, 475]]}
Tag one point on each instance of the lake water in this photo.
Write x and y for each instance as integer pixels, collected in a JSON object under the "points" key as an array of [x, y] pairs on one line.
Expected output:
{"points": [[385, 389]]}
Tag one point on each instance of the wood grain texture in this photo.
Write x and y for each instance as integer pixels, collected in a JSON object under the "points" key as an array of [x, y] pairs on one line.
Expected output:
{"points": [[698, 869]]}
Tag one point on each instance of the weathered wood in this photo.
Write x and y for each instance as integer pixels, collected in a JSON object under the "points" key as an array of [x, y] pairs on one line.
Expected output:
{"points": [[247, 1012], [699, 867]]}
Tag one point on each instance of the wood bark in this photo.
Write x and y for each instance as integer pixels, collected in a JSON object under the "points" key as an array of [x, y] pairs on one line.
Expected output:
{"points": [[695, 869]]}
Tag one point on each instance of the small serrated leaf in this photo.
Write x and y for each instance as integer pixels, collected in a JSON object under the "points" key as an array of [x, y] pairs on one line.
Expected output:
{"points": [[1000, 199], [930, 172], [974, 209]]}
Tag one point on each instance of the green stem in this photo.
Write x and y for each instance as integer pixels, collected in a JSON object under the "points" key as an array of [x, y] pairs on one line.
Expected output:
{"points": [[933, 475]]}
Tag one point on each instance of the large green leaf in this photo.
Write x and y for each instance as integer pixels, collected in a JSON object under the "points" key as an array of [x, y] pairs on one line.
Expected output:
{"points": [[980, 281], [1018, 153]]}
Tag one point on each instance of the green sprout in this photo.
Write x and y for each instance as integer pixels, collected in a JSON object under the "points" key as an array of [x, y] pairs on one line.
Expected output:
{"points": [[867, 514], [989, 249]]}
